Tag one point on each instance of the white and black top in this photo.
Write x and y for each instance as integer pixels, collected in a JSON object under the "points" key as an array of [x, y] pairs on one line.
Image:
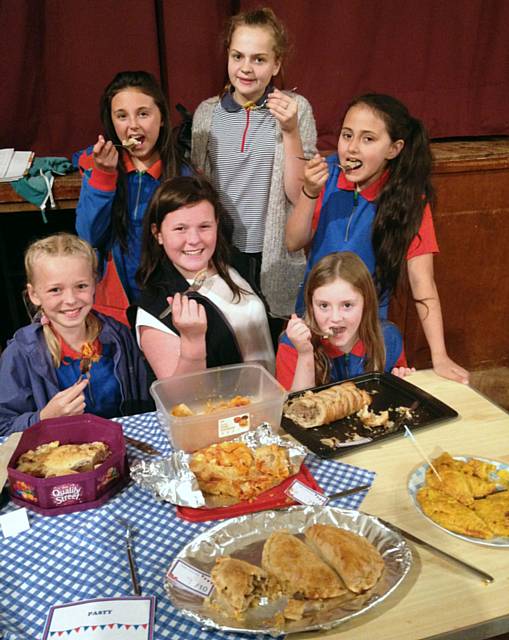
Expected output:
{"points": [[245, 319]]}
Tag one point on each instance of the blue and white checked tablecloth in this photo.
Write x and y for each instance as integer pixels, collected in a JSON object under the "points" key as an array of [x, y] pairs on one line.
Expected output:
{"points": [[82, 555]]}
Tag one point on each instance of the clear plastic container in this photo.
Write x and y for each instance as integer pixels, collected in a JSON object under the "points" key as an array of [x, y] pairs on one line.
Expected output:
{"points": [[266, 398]]}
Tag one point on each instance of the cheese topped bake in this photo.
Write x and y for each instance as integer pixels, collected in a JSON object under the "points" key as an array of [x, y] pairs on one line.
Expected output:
{"points": [[53, 459]]}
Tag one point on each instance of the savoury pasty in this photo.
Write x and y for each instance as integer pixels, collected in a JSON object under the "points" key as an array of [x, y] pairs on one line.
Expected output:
{"points": [[355, 559]]}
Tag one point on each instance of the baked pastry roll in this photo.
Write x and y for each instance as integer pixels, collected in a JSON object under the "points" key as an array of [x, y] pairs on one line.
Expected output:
{"points": [[299, 570], [354, 558], [239, 584], [334, 403]]}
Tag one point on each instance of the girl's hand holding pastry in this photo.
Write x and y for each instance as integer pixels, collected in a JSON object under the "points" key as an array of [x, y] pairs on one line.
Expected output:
{"points": [[316, 173], [283, 108], [69, 402], [300, 334], [105, 155]]}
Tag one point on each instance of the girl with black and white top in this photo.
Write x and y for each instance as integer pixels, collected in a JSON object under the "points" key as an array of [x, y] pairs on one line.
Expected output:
{"points": [[223, 321]]}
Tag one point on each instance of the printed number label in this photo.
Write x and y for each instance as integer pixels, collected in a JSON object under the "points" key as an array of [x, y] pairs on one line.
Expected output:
{"points": [[300, 492], [190, 578]]}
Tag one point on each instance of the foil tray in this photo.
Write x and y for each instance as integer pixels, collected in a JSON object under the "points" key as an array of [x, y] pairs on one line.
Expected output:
{"points": [[243, 538]]}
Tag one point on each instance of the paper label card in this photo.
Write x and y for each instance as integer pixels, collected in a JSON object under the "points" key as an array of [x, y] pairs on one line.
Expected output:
{"points": [[129, 618], [234, 425], [300, 492], [14, 522], [190, 578]]}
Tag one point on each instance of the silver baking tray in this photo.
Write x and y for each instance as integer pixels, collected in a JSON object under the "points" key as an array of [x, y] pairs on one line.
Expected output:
{"points": [[243, 538]]}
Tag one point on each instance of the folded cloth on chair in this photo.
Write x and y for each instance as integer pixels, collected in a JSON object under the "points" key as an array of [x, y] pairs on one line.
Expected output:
{"points": [[36, 186]]}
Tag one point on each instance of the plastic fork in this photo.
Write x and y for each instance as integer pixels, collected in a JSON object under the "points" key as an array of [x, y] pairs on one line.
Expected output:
{"points": [[198, 281]]}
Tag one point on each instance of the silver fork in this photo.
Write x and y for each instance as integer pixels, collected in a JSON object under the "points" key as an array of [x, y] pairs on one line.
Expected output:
{"points": [[329, 334], [199, 279], [130, 556], [347, 166]]}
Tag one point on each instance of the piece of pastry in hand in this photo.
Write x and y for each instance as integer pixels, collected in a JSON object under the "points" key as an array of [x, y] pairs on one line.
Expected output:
{"points": [[239, 584], [299, 570], [355, 559], [451, 514]]}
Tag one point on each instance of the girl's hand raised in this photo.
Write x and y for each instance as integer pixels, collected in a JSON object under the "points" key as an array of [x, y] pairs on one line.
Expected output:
{"points": [[105, 155], [300, 334], [316, 173], [189, 317], [69, 402], [283, 108]]}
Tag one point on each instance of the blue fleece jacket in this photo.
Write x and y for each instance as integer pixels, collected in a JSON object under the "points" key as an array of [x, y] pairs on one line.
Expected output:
{"points": [[29, 379]]}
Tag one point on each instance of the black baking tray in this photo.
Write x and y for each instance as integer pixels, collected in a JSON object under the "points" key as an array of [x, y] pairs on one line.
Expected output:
{"points": [[387, 392]]}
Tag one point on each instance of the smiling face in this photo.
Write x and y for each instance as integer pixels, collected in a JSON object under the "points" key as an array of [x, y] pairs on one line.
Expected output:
{"points": [[135, 115], [338, 309], [64, 288], [251, 62], [364, 137], [188, 236]]}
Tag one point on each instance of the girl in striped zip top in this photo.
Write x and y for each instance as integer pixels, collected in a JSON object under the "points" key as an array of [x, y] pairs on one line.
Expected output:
{"points": [[248, 141]]}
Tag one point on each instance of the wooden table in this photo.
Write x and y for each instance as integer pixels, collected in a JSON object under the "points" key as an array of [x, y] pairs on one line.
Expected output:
{"points": [[438, 599]]}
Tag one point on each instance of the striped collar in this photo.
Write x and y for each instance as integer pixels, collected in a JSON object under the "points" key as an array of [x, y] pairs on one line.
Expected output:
{"points": [[229, 104], [369, 193]]}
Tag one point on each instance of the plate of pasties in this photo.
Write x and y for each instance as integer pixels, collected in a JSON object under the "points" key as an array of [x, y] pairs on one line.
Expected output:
{"points": [[251, 561], [469, 501]]}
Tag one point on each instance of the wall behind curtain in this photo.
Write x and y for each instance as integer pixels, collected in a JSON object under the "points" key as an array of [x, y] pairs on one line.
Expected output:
{"points": [[446, 59]]}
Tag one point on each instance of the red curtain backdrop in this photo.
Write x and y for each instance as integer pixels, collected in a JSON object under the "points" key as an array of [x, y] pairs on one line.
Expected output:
{"points": [[446, 59]]}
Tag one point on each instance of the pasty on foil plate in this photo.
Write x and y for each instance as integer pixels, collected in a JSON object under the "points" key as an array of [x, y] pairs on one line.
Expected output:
{"points": [[313, 409], [354, 558], [240, 585], [330, 563], [298, 569], [233, 469], [53, 459]]}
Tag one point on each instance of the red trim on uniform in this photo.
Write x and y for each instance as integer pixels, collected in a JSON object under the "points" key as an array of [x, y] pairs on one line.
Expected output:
{"points": [[110, 297], [332, 351], [103, 180], [369, 193], [66, 351], [425, 241], [244, 135], [286, 364], [155, 170]]}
